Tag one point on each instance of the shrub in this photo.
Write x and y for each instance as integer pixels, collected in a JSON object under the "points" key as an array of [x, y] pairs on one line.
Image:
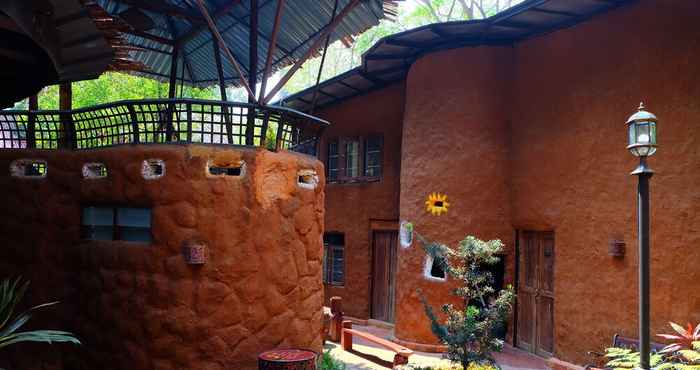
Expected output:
{"points": [[328, 362], [469, 328], [682, 354]]}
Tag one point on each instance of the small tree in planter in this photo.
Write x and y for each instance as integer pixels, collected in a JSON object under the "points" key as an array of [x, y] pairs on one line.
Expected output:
{"points": [[468, 330]]}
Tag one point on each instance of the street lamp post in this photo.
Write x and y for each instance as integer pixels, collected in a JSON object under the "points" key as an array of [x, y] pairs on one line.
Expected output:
{"points": [[641, 128]]}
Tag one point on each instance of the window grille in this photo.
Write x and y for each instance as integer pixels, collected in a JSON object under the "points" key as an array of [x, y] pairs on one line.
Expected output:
{"points": [[117, 223], [334, 259], [357, 159]]}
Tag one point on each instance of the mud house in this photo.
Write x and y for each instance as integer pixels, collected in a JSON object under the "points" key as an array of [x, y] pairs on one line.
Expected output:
{"points": [[150, 219], [520, 120]]}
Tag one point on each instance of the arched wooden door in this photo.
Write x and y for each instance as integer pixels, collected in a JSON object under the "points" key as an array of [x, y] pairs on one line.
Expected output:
{"points": [[536, 293]]}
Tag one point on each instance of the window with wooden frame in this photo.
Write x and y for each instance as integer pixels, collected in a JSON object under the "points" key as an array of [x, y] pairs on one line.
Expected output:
{"points": [[355, 159], [334, 259], [117, 223]]}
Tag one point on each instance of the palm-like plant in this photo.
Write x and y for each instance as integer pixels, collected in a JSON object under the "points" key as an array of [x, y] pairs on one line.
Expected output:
{"points": [[11, 293], [683, 339]]}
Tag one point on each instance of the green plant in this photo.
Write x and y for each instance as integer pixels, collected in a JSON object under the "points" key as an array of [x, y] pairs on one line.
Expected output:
{"points": [[682, 354], [328, 362], [468, 330], [409, 227], [472, 366], [625, 358], [683, 338], [11, 293]]}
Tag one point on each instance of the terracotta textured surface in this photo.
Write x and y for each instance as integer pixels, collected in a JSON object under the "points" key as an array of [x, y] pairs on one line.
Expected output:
{"points": [[570, 170], [140, 306], [351, 207], [533, 138], [454, 142]]}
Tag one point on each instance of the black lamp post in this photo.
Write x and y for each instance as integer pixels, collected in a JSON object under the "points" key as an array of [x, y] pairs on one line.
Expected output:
{"points": [[641, 128]]}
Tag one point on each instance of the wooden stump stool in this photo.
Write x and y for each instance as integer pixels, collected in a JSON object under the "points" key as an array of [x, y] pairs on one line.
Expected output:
{"points": [[287, 359]]}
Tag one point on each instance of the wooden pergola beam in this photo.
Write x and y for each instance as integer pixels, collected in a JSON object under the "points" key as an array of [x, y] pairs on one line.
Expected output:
{"points": [[272, 48], [152, 37], [319, 39], [159, 6], [222, 45], [218, 13]]}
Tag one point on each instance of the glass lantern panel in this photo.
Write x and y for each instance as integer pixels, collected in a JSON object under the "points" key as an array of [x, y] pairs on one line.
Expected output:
{"points": [[652, 132], [632, 131], [643, 134]]}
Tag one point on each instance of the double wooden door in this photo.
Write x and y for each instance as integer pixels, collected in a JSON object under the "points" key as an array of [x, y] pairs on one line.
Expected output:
{"points": [[383, 274], [536, 293]]}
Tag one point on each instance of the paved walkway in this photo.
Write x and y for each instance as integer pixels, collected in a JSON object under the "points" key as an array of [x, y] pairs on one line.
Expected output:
{"points": [[368, 356]]}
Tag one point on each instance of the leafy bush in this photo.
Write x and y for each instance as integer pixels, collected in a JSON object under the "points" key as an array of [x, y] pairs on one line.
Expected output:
{"points": [[469, 329], [328, 362], [682, 354], [11, 293], [472, 366]]}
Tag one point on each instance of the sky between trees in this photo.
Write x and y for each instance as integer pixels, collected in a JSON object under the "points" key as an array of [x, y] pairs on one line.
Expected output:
{"points": [[113, 86]]}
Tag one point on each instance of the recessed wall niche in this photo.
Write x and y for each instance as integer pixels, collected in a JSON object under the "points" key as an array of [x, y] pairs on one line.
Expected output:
{"points": [[236, 169], [94, 171], [434, 271], [307, 179], [29, 168], [152, 169]]}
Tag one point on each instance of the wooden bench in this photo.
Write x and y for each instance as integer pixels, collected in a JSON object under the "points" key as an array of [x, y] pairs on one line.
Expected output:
{"points": [[402, 353], [620, 342]]}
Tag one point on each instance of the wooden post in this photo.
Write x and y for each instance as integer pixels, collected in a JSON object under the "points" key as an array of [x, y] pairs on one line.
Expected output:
{"points": [[337, 320], [172, 88], [173, 73], [222, 91], [65, 103], [31, 121], [252, 70], [222, 44], [346, 340], [271, 49], [323, 61]]}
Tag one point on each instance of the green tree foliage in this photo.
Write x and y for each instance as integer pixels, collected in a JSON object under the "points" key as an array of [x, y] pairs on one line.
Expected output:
{"points": [[113, 86], [412, 14], [468, 330]]}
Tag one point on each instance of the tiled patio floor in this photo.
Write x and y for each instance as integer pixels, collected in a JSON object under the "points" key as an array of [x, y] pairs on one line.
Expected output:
{"points": [[368, 356]]}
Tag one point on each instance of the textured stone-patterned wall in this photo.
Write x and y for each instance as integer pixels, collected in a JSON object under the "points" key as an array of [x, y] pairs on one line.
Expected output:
{"points": [[570, 170], [142, 307], [454, 142], [350, 207]]}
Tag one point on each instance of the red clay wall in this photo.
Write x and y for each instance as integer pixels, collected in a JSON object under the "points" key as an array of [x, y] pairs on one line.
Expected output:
{"points": [[574, 90], [350, 207], [454, 142], [142, 307]]}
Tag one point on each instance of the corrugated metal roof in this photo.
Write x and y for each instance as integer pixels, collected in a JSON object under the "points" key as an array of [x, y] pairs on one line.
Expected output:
{"points": [[301, 21], [389, 59]]}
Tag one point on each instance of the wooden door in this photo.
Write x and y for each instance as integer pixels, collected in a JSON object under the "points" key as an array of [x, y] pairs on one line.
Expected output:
{"points": [[536, 293], [383, 274]]}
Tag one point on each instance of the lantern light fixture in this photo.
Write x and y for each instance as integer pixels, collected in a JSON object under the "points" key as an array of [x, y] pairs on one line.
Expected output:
{"points": [[641, 128]]}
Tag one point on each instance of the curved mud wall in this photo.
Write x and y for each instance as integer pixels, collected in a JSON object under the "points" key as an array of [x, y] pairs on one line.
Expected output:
{"points": [[570, 170], [454, 142], [351, 208], [141, 306], [533, 138]]}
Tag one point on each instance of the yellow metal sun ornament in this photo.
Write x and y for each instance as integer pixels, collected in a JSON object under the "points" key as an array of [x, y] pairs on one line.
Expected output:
{"points": [[436, 204]]}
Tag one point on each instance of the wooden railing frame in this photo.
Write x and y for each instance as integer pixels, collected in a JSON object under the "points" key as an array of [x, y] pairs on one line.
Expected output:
{"points": [[300, 127]]}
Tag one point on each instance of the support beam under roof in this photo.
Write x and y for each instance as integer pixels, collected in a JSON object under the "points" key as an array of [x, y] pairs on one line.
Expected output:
{"points": [[326, 31]]}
